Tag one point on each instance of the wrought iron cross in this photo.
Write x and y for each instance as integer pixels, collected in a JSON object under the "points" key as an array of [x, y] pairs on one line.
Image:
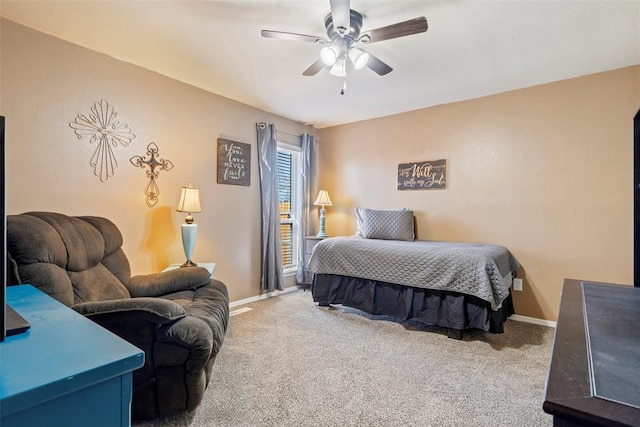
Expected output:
{"points": [[151, 191]]}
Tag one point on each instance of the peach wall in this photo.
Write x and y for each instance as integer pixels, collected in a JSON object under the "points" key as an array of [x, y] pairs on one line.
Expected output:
{"points": [[46, 82], [546, 171]]}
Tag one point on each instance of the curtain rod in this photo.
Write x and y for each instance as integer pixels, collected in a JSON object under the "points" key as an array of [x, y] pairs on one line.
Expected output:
{"points": [[290, 133]]}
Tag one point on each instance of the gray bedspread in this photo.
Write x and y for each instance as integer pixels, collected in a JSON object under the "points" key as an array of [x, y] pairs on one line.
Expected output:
{"points": [[482, 270]]}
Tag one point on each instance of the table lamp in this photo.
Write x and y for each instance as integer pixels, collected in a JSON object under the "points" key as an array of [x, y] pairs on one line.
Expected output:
{"points": [[189, 202], [322, 200]]}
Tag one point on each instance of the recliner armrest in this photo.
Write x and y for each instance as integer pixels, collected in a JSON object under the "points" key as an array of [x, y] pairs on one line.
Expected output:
{"points": [[158, 284], [154, 310]]}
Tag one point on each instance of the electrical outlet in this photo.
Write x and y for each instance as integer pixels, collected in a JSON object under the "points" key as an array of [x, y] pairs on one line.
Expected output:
{"points": [[517, 285]]}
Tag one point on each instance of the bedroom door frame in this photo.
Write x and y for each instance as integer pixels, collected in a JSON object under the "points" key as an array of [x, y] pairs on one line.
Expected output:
{"points": [[636, 200]]}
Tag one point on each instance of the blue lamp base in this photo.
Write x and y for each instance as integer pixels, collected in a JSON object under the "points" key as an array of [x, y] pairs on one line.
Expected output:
{"points": [[322, 233], [188, 242]]}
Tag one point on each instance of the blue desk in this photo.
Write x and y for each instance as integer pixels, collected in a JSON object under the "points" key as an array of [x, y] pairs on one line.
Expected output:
{"points": [[65, 370]]}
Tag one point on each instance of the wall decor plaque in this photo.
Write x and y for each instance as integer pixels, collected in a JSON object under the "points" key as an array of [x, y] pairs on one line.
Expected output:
{"points": [[234, 162], [426, 175]]}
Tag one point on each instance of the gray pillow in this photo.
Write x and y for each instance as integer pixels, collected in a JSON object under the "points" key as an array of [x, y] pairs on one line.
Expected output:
{"points": [[386, 225]]}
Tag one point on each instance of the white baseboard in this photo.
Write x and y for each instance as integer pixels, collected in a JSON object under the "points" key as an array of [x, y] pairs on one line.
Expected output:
{"points": [[533, 320], [263, 296], [239, 311]]}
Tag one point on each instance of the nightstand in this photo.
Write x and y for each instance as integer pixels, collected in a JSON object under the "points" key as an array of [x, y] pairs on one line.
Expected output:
{"points": [[210, 266], [310, 242]]}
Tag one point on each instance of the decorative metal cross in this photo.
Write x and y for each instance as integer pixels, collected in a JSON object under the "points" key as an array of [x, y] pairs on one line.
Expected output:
{"points": [[102, 127], [151, 191]]}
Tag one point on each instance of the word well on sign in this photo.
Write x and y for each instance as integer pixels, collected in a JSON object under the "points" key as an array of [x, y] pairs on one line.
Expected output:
{"points": [[427, 175], [234, 162]]}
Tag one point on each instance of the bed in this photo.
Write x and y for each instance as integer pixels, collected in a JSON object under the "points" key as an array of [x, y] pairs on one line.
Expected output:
{"points": [[457, 286]]}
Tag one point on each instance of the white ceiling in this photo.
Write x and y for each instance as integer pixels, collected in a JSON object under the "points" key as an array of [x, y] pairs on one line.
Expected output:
{"points": [[472, 48]]}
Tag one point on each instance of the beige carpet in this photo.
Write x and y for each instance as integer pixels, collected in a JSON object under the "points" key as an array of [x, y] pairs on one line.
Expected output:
{"points": [[289, 362]]}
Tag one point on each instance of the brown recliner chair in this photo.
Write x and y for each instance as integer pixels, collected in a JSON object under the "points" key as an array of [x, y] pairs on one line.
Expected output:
{"points": [[178, 318]]}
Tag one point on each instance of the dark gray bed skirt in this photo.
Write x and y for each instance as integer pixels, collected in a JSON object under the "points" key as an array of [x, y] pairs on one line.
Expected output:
{"points": [[432, 307]]}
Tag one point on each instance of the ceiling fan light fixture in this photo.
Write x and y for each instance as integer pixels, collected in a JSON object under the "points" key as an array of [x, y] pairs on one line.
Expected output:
{"points": [[339, 69], [329, 54], [358, 57]]}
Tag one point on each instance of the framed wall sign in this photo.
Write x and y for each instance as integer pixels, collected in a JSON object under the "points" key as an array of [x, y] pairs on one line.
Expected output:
{"points": [[426, 175], [234, 162]]}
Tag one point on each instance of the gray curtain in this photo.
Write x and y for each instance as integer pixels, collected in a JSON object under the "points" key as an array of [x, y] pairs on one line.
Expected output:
{"points": [[272, 277], [308, 148]]}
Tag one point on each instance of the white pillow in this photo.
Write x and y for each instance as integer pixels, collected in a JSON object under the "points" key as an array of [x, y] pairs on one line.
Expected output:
{"points": [[359, 221]]}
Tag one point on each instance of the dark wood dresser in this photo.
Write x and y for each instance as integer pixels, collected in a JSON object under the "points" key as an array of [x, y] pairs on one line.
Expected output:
{"points": [[594, 375]]}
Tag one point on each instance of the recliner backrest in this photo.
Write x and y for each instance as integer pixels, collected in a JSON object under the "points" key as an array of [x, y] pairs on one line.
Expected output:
{"points": [[73, 259]]}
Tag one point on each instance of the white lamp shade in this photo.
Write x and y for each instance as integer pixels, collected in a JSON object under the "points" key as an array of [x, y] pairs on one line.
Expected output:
{"points": [[329, 54], [323, 199], [339, 69], [189, 200], [358, 57]]}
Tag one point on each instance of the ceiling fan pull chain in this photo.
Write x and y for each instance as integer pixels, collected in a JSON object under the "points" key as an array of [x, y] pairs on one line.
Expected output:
{"points": [[344, 73]]}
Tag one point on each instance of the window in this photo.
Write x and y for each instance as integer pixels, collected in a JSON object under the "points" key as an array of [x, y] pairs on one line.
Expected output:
{"points": [[289, 198]]}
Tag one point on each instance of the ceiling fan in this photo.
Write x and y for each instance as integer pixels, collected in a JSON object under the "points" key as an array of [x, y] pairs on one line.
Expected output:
{"points": [[344, 38]]}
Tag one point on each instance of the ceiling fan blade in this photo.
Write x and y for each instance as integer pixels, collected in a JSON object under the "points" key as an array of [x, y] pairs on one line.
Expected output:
{"points": [[341, 15], [293, 36], [378, 66], [401, 29], [314, 69]]}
